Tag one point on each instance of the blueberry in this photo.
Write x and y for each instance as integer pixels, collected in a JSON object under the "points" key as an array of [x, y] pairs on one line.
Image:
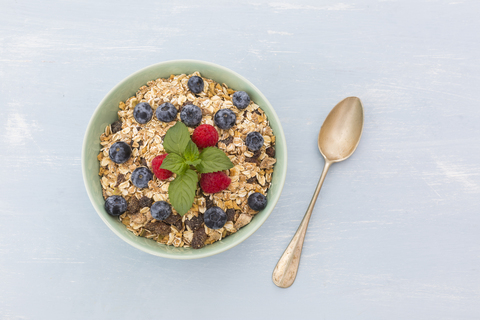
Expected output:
{"points": [[120, 152], [191, 115], [115, 205], [195, 84], [166, 112], [225, 119], [257, 201], [241, 99], [215, 218], [160, 210], [141, 176], [254, 141], [143, 112]]}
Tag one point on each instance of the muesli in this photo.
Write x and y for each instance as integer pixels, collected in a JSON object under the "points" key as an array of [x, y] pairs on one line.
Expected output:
{"points": [[204, 126]]}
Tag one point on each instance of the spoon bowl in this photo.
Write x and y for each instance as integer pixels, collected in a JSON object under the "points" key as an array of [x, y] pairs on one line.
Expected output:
{"points": [[338, 138], [341, 130]]}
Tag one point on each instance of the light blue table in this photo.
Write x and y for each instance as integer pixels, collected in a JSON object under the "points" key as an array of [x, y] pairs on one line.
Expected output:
{"points": [[396, 231]]}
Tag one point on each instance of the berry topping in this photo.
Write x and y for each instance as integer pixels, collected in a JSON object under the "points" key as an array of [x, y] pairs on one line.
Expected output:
{"points": [[145, 202], [257, 201], [116, 126], [215, 218], [241, 99], [195, 84], [166, 112], [141, 176], [199, 237], [143, 112], [214, 182], [133, 205], [231, 214], [225, 119], [191, 115], [205, 135], [160, 210], [120, 152], [115, 205], [270, 152], [254, 141], [161, 174], [195, 223]]}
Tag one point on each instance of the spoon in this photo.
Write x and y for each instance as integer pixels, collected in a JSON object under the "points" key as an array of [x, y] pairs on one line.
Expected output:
{"points": [[337, 140]]}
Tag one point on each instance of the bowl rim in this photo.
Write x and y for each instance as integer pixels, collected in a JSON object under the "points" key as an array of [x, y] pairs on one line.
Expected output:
{"points": [[247, 233]]}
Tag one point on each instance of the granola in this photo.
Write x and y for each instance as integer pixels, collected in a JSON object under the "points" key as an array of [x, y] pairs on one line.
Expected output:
{"points": [[252, 171]]}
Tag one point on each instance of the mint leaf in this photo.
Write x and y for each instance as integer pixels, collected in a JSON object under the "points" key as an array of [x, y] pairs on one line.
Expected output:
{"points": [[176, 139], [191, 152], [181, 191], [193, 163], [174, 163], [213, 160]]}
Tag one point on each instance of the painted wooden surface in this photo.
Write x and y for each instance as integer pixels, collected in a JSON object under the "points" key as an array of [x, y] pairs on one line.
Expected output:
{"points": [[395, 233]]}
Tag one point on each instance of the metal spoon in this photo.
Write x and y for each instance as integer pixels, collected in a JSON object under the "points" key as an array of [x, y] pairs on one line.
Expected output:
{"points": [[337, 140]]}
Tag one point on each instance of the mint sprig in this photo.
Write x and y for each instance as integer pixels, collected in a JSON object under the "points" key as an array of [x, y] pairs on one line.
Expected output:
{"points": [[182, 154], [174, 163], [213, 160], [176, 139], [181, 191], [191, 152]]}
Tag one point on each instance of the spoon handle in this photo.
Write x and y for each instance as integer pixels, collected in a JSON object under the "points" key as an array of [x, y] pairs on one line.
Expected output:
{"points": [[286, 269]]}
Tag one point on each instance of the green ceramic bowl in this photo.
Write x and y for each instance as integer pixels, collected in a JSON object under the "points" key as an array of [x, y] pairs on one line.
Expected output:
{"points": [[106, 113]]}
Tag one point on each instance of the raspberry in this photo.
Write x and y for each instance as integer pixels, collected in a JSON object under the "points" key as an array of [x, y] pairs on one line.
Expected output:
{"points": [[161, 174], [205, 135], [214, 182]]}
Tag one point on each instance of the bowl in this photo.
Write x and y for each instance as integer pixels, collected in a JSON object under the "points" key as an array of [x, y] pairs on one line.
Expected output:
{"points": [[106, 113]]}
